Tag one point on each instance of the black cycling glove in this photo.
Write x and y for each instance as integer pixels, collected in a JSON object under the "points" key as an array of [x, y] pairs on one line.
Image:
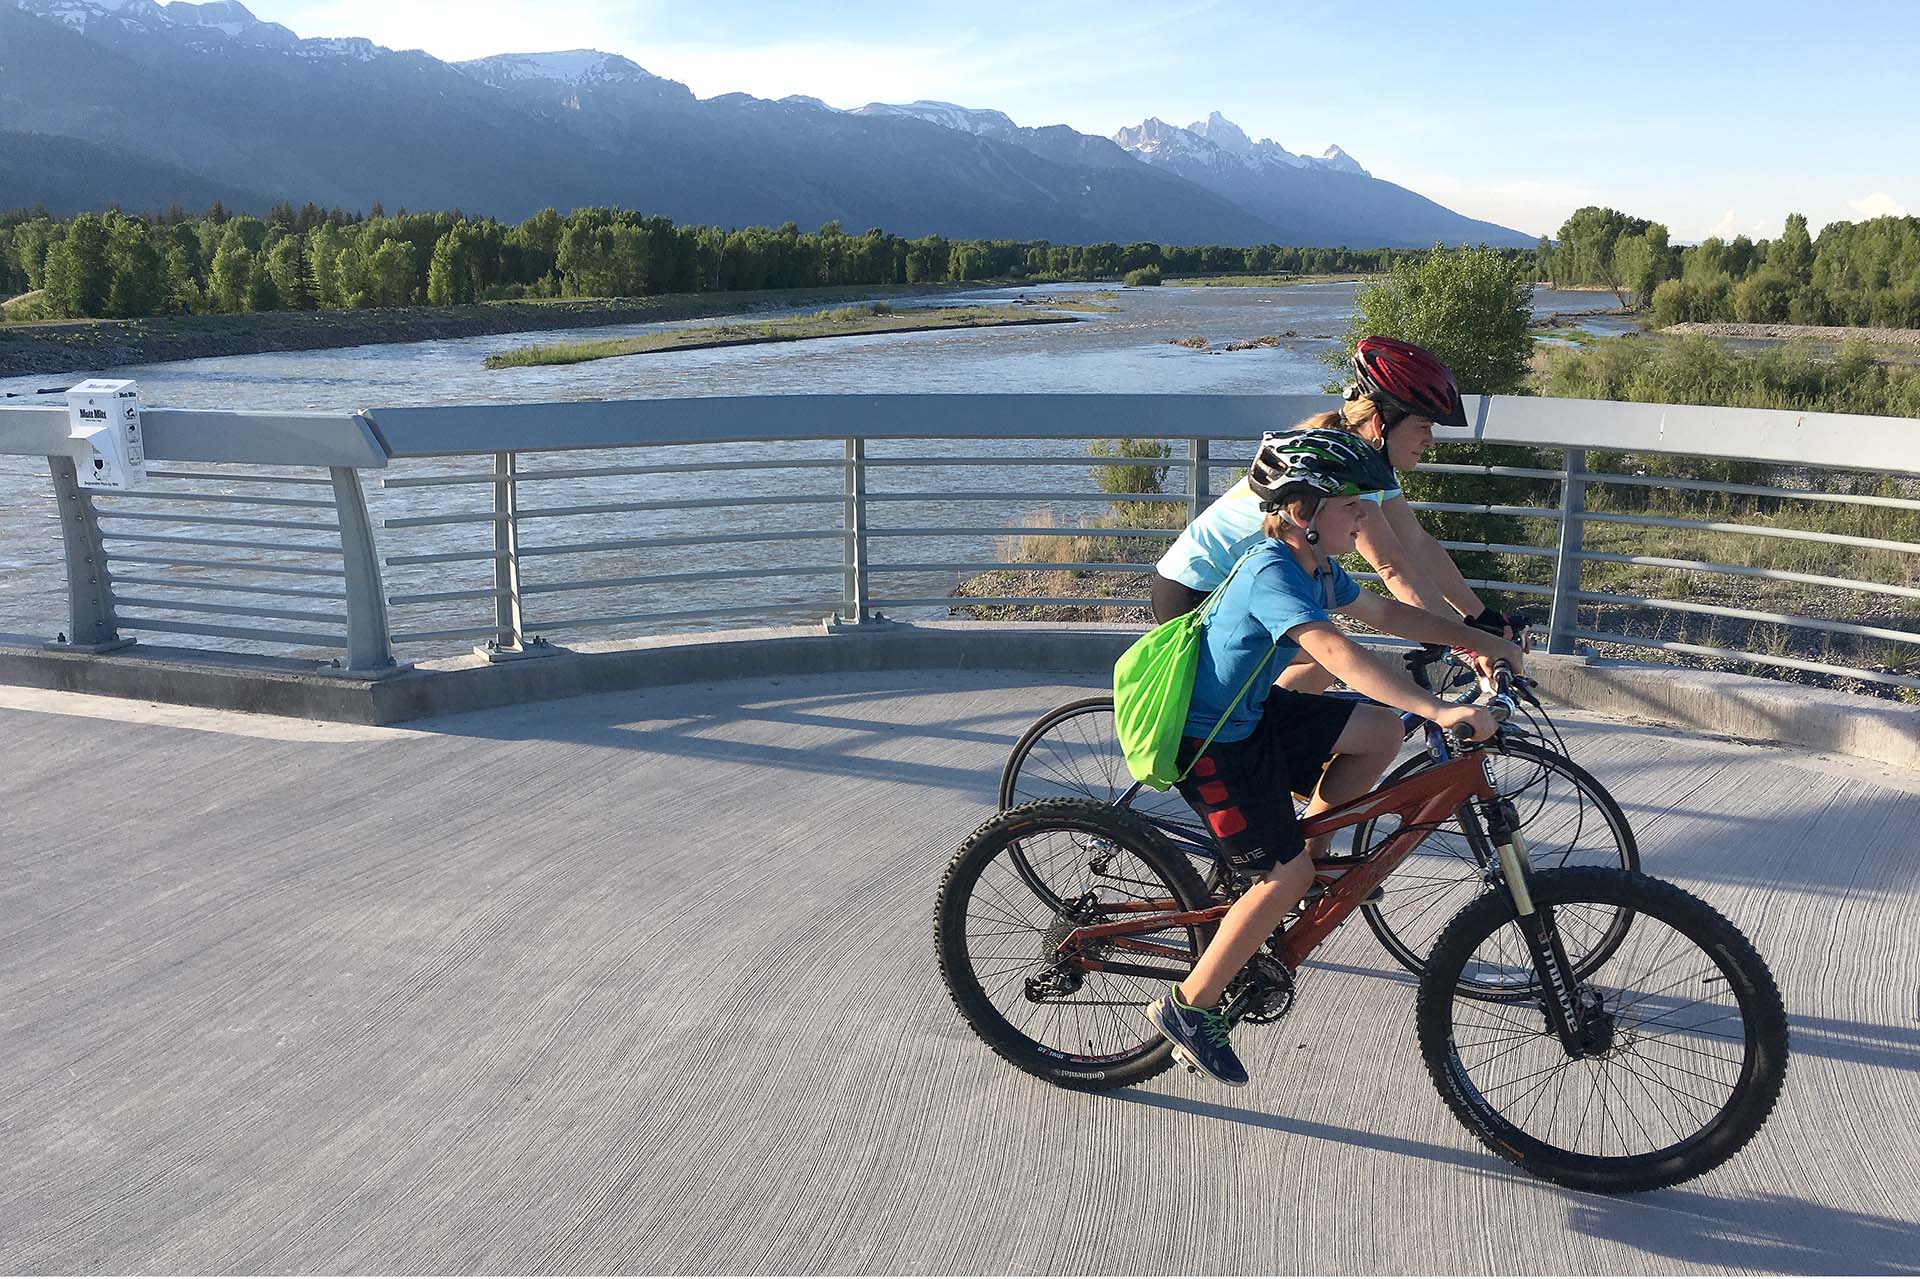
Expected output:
{"points": [[1490, 621]]}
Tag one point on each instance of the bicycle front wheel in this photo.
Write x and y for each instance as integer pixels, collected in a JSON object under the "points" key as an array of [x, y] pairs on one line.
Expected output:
{"points": [[998, 940], [1687, 1055], [1568, 820]]}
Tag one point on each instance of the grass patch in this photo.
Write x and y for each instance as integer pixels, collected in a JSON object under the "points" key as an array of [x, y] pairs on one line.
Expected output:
{"points": [[872, 317], [1256, 281], [25, 308], [1081, 302]]}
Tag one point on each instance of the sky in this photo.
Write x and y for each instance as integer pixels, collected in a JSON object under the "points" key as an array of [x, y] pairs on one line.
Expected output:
{"points": [[1715, 118]]}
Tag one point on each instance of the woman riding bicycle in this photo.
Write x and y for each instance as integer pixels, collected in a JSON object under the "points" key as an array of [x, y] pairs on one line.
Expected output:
{"points": [[1399, 391], [1312, 489]]}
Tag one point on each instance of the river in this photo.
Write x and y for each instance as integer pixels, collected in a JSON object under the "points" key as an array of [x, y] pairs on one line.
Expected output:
{"points": [[1127, 349]]}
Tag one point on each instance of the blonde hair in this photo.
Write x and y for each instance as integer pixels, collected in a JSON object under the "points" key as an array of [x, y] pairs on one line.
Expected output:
{"points": [[1272, 525], [1349, 417]]}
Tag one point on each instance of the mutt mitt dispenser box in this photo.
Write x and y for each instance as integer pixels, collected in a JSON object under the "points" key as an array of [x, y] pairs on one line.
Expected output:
{"points": [[104, 421]]}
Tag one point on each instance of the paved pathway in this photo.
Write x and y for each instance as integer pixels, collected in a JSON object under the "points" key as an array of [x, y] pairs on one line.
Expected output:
{"points": [[644, 983]]}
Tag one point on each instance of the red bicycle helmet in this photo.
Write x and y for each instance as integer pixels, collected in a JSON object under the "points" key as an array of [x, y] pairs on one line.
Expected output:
{"points": [[1399, 375]]}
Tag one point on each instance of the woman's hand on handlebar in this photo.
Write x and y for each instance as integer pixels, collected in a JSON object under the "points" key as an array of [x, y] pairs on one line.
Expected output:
{"points": [[1476, 722], [1497, 652]]}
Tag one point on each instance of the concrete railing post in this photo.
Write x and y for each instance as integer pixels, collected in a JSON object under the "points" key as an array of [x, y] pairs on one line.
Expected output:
{"points": [[91, 624], [1566, 566], [1199, 479], [853, 596], [369, 647]]}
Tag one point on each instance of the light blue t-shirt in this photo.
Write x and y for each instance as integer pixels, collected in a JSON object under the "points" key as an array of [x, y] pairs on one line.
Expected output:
{"points": [[1269, 596], [1202, 555]]}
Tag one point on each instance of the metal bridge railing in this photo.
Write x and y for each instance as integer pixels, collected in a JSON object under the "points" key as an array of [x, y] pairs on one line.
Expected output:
{"points": [[504, 524]]}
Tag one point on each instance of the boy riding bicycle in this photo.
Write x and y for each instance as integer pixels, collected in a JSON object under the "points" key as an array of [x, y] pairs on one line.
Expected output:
{"points": [[1312, 487]]}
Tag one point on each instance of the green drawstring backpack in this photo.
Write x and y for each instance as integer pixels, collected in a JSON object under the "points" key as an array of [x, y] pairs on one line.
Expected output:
{"points": [[1153, 689]]}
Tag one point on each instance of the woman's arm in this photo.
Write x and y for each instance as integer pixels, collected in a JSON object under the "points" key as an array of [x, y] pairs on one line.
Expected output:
{"points": [[1430, 628], [1366, 674], [1429, 557], [1380, 545]]}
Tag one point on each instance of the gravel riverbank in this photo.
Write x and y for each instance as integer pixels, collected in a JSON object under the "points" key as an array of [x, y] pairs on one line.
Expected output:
{"points": [[1782, 332], [82, 346]]}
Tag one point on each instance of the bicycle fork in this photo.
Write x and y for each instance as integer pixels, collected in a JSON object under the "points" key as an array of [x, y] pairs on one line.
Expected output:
{"points": [[1578, 1027]]}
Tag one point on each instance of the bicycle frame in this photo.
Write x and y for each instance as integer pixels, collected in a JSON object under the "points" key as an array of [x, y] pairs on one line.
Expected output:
{"points": [[1421, 802]]}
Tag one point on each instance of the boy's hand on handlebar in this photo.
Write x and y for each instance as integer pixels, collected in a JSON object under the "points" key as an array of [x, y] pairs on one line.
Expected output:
{"points": [[1476, 721]]}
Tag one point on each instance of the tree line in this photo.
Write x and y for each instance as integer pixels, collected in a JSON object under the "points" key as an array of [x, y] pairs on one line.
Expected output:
{"points": [[115, 264], [1853, 273]]}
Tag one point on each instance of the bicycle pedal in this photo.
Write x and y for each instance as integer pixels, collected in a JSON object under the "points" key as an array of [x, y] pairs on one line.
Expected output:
{"points": [[1180, 1055]]}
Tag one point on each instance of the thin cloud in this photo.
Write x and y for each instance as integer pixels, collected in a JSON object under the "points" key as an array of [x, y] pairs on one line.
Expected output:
{"points": [[1878, 205]]}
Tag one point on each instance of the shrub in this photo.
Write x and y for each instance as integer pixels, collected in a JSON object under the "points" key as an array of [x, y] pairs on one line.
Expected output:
{"points": [[1144, 476], [1146, 275]]}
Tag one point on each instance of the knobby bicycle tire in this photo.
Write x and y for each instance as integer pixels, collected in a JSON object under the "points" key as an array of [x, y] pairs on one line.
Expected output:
{"points": [[1543, 855], [1660, 1074], [1139, 1052]]}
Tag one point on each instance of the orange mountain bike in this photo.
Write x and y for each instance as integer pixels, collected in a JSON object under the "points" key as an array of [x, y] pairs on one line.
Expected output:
{"points": [[1597, 1027]]}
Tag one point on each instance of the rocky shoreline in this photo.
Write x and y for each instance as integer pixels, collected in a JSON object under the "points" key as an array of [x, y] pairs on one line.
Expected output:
{"points": [[1785, 332], [65, 347]]}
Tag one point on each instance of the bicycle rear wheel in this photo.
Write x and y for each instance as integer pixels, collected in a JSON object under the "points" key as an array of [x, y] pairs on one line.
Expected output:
{"points": [[1568, 820], [1073, 750], [1686, 1064], [997, 940]]}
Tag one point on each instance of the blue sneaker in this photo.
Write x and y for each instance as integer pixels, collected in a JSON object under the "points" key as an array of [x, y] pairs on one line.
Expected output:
{"points": [[1199, 1037]]}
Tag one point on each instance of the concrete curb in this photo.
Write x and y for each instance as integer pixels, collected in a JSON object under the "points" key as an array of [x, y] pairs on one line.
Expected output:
{"points": [[1732, 705]]}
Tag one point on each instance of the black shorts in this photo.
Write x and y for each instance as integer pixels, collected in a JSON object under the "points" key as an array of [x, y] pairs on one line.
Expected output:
{"points": [[1173, 599], [1244, 790]]}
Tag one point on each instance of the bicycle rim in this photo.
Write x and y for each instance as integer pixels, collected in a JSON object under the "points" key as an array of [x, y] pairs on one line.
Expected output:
{"points": [[1691, 1062], [998, 941], [1074, 751]]}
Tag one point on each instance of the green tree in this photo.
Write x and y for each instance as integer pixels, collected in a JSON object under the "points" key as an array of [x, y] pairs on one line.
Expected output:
{"points": [[86, 274], [138, 281], [1792, 254], [230, 283], [390, 274], [286, 267], [1470, 307]]}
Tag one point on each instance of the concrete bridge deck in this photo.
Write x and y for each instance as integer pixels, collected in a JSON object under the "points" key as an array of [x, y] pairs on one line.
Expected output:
{"points": [[644, 982]]}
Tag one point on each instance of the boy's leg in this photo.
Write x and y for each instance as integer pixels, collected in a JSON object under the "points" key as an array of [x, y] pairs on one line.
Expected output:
{"points": [[1246, 928], [1364, 751]]}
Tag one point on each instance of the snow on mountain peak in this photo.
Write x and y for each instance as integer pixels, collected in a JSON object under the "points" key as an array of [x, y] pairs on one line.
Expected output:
{"points": [[946, 115], [1223, 133], [567, 66]]}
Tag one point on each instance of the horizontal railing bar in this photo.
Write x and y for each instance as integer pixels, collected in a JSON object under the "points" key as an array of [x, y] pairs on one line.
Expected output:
{"points": [[962, 566], [912, 531], [1517, 588], [446, 557], [1501, 548], [459, 632], [1508, 472], [969, 601], [239, 478], [231, 521], [975, 495], [594, 472], [1084, 459], [1481, 508], [236, 610], [291, 547], [657, 579], [623, 619], [434, 597], [202, 584], [1752, 615], [166, 495], [1741, 570], [1740, 655], [647, 543], [1750, 490], [614, 508], [231, 632], [298, 570], [1755, 530]]}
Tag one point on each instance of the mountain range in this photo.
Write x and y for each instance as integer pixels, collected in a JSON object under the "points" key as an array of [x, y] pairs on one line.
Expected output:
{"points": [[141, 103]]}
